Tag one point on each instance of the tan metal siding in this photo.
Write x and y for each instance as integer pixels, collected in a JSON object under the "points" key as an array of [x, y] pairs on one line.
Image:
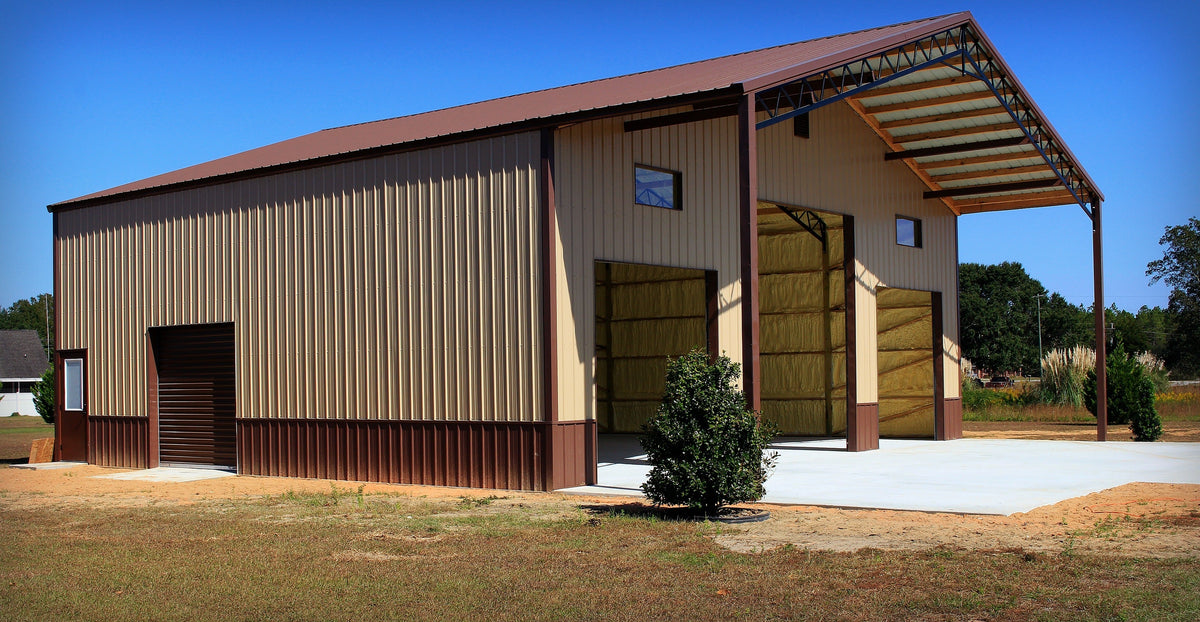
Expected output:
{"points": [[841, 169], [400, 287], [598, 220]]}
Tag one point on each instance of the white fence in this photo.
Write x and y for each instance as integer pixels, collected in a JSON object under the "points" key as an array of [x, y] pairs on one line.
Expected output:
{"points": [[21, 403]]}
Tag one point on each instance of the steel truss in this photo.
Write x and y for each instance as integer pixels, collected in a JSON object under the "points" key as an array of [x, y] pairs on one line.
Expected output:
{"points": [[958, 48], [811, 223]]}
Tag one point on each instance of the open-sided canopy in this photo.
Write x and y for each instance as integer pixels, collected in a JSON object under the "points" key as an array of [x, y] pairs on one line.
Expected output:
{"points": [[947, 106]]}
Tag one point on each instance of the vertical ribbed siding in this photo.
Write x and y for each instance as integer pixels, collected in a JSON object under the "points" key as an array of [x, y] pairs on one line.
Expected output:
{"points": [[598, 220], [841, 169], [399, 287]]}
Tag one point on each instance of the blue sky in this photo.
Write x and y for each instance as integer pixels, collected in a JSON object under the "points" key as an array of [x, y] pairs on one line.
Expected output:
{"points": [[95, 95]]}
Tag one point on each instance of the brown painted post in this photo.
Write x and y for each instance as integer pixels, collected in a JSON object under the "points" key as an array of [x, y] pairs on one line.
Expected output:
{"points": [[1101, 342], [748, 205], [852, 410]]}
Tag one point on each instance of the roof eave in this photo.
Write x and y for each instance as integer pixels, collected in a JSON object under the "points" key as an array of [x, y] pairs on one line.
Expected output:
{"points": [[108, 196]]}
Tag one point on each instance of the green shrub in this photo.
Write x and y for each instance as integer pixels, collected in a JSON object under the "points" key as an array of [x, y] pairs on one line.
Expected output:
{"points": [[43, 395], [975, 397], [706, 449], [1130, 396]]}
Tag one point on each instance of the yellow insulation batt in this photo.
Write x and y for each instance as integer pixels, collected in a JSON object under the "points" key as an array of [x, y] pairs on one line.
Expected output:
{"points": [[906, 389], [644, 314], [802, 323]]}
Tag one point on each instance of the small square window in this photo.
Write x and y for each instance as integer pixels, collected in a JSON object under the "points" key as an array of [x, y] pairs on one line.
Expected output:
{"points": [[908, 231], [656, 187], [73, 384]]}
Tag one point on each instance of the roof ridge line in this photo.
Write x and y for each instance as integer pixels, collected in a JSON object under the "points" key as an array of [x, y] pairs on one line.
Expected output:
{"points": [[645, 71]]}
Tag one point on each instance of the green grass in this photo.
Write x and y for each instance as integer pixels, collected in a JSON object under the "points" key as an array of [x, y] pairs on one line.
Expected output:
{"points": [[343, 555], [18, 433]]}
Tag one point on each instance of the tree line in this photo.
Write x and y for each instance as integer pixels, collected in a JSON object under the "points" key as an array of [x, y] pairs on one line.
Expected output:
{"points": [[999, 313]]}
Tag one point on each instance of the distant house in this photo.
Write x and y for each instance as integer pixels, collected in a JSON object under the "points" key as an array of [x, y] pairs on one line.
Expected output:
{"points": [[22, 363]]}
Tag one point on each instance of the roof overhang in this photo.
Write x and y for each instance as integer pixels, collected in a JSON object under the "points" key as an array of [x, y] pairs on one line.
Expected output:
{"points": [[945, 104]]}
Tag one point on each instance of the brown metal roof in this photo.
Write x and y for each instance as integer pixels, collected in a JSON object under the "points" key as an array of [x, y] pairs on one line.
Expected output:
{"points": [[719, 77]]}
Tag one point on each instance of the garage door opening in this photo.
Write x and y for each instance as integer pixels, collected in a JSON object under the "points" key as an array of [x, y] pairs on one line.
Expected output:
{"points": [[645, 314], [907, 390], [196, 395], [802, 320]]}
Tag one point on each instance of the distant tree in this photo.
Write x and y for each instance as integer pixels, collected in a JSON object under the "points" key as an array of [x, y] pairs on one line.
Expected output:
{"points": [[1180, 269], [43, 395], [31, 314], [1145, 331], [999, 316], [1065, 325]]}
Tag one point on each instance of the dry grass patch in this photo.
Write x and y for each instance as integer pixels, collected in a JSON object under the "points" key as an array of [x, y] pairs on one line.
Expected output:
{"points": [[347, 553]]}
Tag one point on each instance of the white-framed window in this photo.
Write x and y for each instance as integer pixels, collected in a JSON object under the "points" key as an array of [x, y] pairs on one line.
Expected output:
{"points": [[656, 187], [72, 384], [908, 231]]}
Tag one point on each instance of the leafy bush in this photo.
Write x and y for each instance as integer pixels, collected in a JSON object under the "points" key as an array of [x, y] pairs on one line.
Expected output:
{"points": [[975, 397], [1130, 396], [1064, 372], [43, 395], [706, 449]]}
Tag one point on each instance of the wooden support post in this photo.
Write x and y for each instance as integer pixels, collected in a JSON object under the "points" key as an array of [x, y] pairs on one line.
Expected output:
{"points": [[1101, 341], [748, 208]]}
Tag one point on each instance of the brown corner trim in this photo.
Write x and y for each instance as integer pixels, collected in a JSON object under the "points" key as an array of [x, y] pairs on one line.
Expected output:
{"points": [[549, 229]]}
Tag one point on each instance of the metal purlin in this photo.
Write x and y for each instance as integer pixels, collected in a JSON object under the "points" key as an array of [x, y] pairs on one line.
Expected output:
{"points": [[957, 48], [826, 87], [990, 74]]}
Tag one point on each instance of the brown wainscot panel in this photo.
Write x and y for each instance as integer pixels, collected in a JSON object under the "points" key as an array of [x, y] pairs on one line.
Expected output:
{"points": [[505, 455], [119, 441], [950, 425], [864, 436]]}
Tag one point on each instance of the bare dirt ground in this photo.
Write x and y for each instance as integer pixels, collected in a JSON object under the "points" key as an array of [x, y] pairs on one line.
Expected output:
{"points": [[1173, 431], [1135, 520]]}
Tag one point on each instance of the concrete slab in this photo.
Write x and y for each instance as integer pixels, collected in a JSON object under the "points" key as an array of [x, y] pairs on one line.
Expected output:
{"points": [[974, 476], [169, 474], [43, 466]]}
